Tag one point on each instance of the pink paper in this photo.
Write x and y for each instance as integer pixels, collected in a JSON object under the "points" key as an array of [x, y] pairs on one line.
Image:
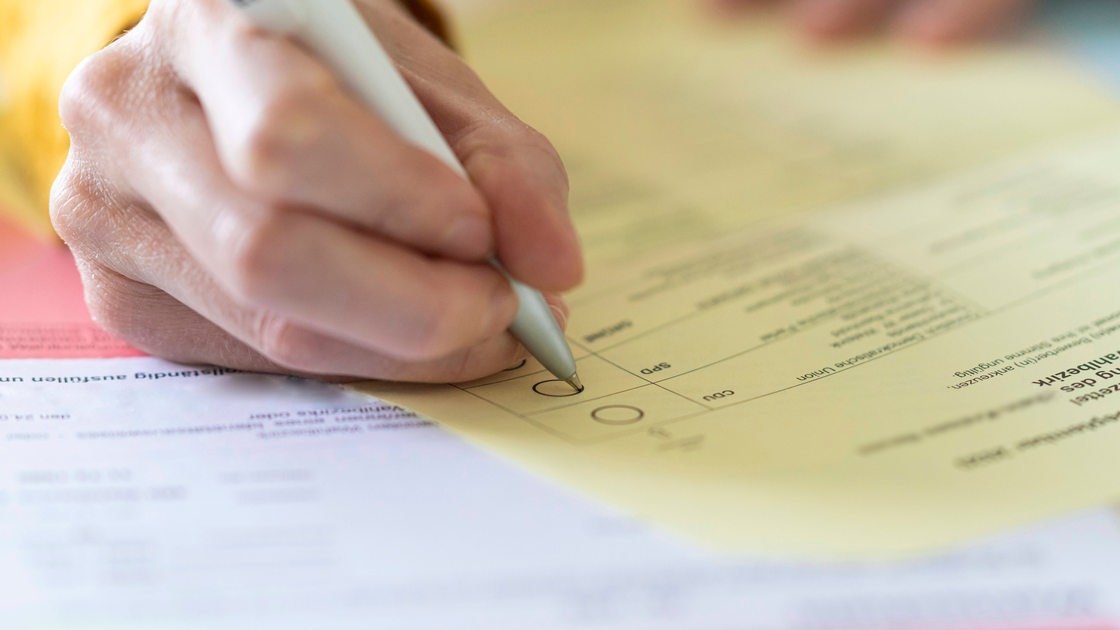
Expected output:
{"points": [[42, 312]]}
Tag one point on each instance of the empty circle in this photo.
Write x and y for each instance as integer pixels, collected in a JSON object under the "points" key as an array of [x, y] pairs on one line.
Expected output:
{"points": [[555, 388], [618, 414], [517, 367]]}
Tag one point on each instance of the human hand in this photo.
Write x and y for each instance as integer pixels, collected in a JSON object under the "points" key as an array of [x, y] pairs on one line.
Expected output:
{"points": [[228, 202], [932, 22]]}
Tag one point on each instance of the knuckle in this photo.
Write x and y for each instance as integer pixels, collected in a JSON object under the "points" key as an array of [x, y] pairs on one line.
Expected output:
{"points": [[285, 343], [85, 92], [435, 328], [93, 97], [513, 140], [75, 202], [505, 136], [424, 338], [536, 142], [431, 195], [256, 250], [266, 156], [469, 366]]}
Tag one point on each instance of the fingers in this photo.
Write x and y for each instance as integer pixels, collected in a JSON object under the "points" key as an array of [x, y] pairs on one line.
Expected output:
{"points": [[205, 232], [926, 21], [947, 21], [343, 283], [153, 321], [833, 19], [191, 319], [528, 189], [287, 131], [515, 168], [296, 135]]}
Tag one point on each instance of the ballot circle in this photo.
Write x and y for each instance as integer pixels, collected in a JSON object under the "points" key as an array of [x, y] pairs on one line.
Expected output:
{"points": [[617, 415], [555, 388], [517, 367]]}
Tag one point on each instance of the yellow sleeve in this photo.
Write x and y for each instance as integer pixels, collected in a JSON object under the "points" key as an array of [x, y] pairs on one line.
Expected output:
{"points": [[41, 41]]}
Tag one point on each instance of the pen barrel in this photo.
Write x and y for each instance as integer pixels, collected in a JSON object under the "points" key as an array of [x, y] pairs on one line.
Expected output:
{"points": [[342, 40], [537, 329]]}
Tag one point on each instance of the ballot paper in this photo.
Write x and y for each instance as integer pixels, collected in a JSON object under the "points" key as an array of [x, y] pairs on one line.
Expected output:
{"points": [[845, 305], [136, 493]]}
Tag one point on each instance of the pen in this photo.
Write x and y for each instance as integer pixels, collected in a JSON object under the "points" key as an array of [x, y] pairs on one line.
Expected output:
{"points": [[336, 32]]}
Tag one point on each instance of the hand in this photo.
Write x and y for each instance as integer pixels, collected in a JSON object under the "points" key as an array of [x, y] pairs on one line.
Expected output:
{"points": [[931, 22], [228, 202]]}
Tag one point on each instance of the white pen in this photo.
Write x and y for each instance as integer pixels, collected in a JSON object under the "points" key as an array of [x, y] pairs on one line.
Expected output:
{"points": [[339, 36]]}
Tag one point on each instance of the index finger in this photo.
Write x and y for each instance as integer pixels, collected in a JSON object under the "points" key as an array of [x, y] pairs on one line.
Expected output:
{"points": [[287, 131]]}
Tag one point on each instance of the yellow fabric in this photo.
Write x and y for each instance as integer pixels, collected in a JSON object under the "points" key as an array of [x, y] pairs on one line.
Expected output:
{"points": [[41, 41]]}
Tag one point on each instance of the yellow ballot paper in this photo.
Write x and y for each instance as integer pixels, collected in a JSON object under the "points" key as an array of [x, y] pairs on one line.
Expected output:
{"points": [[851, 304]]}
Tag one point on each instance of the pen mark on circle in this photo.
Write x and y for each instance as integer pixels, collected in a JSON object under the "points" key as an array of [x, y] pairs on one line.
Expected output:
{"points": [[555, 388], [618, 415]]}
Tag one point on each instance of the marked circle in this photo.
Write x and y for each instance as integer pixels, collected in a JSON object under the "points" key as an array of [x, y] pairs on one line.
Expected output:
{"points": [[555, 388], [618, 415]]}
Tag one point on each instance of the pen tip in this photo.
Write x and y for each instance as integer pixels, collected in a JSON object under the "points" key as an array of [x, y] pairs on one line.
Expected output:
{"points": [[575, 383]]}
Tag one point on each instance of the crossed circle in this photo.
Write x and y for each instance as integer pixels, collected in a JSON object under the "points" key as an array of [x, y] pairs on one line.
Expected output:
{"points": [[555, 388]]}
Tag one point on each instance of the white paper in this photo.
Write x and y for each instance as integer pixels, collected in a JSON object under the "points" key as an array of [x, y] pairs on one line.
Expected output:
{"points": [[203, 500]]}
